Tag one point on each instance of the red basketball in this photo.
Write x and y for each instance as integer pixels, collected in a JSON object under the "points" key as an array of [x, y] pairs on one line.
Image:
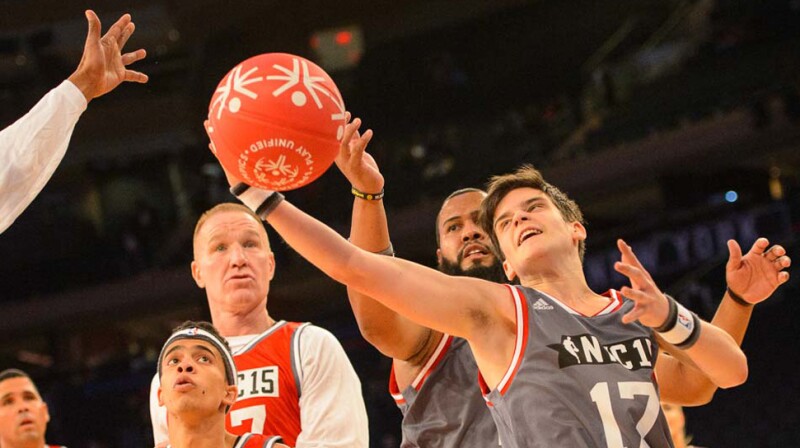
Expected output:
{"points": [[275, 121]]}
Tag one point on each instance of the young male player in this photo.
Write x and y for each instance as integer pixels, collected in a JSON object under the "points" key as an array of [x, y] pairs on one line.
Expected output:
{"points": [[198, 386], [23, 413]]}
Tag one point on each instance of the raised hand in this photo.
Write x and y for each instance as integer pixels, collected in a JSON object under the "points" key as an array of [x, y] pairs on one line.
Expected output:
{"points": [[651, 305], [354, 162], [103, 66], [757, 274]]}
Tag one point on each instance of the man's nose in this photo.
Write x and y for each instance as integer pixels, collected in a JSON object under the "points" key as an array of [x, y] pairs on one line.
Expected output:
{"points": [[238, 257], [185, 366], [471, 231]]}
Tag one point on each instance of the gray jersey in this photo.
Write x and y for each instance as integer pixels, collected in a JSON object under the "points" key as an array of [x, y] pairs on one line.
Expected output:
{"points": [[578, 381], [443, 406]]}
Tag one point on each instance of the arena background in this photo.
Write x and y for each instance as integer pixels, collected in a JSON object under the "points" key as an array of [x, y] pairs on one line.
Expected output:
{"points": [[674, 124]]}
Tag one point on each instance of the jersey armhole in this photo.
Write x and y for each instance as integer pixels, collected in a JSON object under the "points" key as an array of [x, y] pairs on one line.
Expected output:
{"points": [[520, 342], [433, 361]]}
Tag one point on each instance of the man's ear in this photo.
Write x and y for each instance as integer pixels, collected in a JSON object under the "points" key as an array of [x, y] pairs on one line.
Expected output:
{"points": [[46, 413], [578, 231], [160, 400], [510, 274], [271, 260], [438, 257], [231, 391], [198, 279]]}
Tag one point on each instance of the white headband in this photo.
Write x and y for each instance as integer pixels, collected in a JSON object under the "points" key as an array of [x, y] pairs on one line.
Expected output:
{"points": [[199, 333]]}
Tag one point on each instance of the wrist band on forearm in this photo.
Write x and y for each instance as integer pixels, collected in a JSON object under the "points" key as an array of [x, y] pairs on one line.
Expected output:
{"points": [[367, 196], [389, 251], [738, 299], [682, 327], [261, 202]]}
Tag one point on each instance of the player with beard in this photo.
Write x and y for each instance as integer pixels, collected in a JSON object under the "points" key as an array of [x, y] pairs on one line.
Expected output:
{"points": [[441, 405], [433, 373]]}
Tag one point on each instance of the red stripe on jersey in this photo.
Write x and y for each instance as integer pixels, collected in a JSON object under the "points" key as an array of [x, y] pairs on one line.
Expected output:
{"points": [[433, 361], [614, 305], [520, 342], [394, 389]]}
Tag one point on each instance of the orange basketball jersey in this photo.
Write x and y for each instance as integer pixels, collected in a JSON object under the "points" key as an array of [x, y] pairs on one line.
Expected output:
{"points": [[269, 384]]}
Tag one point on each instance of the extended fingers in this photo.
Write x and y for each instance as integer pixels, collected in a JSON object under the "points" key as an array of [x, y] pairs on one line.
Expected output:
{"points": [[349, 131], [116, 31], [130, 58], [760, 246], [628, 256], [126, 34], [636, 275], [782, 262], [775, 252], [134, 76], [94, 26]]}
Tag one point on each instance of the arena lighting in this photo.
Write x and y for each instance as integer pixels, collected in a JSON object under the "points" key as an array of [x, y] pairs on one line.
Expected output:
{"points": [[337, 48], [731, 196]]}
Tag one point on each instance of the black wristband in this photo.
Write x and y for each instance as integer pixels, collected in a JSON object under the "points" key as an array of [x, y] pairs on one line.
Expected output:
{"points": [[672, 316], [367, 196], [738, 299], [269, 205], [239, 188]]}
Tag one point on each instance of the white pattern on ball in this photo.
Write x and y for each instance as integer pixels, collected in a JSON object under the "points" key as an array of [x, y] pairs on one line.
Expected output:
{"points": [[235, 104], [299, 98]]}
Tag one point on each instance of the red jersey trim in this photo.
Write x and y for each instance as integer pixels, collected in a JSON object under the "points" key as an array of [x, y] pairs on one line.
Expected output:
{"points": [[247, 347], [433, 361], [612, 306], [616, 302], [521, 341]]}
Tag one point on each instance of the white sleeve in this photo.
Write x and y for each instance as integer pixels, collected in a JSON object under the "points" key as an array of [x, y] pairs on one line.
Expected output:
{"points": [[158, 414], [332, 411], [32, 148]]}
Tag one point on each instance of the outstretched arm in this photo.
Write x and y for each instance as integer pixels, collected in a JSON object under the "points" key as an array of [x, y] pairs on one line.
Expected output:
{"points": [[392, 334], [32, 148], [714, 352], [751, 279], [462, 305], [102, 66]]}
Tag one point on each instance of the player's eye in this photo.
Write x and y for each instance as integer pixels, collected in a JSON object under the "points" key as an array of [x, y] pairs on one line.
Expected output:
{"points": [[204, 358], [8, 401], [251, 243], [453, 227], [219, 248], [172, 362]]}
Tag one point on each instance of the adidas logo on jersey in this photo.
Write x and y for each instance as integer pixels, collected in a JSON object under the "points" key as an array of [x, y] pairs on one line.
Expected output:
{"points": [[542, 305]]}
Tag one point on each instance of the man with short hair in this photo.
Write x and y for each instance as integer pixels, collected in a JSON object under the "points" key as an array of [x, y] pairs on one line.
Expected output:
{"points": [[554, 407], [32, 147], [433, 375], [23, 413], [294, 378], [198, 386]]}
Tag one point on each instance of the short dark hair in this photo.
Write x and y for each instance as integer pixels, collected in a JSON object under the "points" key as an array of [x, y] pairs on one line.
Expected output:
{"points": [[526, 176], [13, 373], [452, 195]]}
